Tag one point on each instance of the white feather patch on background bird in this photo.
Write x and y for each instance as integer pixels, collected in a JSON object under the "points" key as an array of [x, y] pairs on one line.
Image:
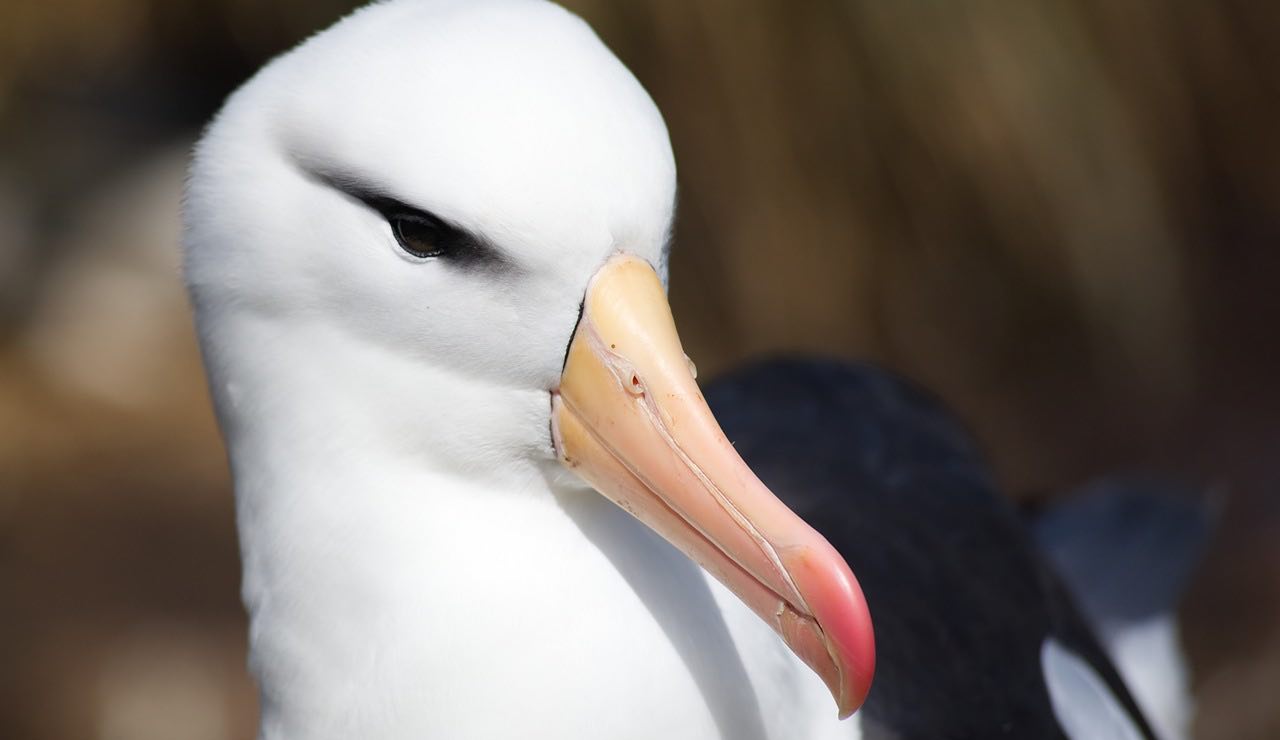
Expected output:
{"points": [[1085, 707]]}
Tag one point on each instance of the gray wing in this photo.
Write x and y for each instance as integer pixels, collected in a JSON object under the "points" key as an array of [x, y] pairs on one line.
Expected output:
{"points": [[1127, 548]]}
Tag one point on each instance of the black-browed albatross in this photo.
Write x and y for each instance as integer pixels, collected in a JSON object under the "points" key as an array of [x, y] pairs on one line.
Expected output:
{"points": [[426, 251]]}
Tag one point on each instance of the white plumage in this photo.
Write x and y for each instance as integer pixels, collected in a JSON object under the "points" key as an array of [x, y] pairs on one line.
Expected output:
{"points": [[416, 563]]}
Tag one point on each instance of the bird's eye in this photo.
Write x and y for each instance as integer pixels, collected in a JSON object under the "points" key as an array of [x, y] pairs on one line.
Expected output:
{"points": [[418, 235]]}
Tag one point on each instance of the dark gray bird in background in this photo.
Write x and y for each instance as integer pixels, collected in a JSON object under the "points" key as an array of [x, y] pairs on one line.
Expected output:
{"points": [[978, 633]]}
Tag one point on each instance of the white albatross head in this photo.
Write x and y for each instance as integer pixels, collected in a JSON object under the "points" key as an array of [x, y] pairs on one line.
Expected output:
{"points": [[440, 228]]}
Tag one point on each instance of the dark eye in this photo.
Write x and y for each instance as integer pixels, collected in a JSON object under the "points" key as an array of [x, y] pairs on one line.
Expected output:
{"points": [[418, 235]]}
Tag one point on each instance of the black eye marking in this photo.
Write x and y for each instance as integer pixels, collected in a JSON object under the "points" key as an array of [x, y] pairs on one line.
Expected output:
{"points": [[425, 236], [420, 234]]}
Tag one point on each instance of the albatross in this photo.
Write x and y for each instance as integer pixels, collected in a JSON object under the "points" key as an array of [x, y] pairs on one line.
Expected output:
{"points": [[427, 255]]}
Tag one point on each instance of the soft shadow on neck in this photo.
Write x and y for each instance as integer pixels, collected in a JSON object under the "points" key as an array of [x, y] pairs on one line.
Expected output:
{"points": [[676, 594]]}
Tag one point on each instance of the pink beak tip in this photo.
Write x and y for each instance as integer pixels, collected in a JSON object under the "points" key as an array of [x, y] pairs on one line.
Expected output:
{"points": [[839, 606]]}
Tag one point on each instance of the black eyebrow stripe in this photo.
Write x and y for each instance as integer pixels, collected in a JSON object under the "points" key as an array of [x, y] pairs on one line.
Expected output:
{"points": [[463, 247]]}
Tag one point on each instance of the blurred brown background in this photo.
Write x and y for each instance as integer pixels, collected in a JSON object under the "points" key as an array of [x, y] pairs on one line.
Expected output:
{"points": [[1063, 217]]}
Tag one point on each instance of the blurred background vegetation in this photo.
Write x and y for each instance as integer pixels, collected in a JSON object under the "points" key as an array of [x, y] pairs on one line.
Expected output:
{"points": [[1062, 216]]}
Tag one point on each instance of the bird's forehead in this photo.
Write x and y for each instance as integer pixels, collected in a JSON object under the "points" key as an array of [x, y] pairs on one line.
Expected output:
{"points": [[507, 116]]}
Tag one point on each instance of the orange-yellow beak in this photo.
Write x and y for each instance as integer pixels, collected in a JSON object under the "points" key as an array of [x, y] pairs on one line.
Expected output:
{"points": [[628, 417]]}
